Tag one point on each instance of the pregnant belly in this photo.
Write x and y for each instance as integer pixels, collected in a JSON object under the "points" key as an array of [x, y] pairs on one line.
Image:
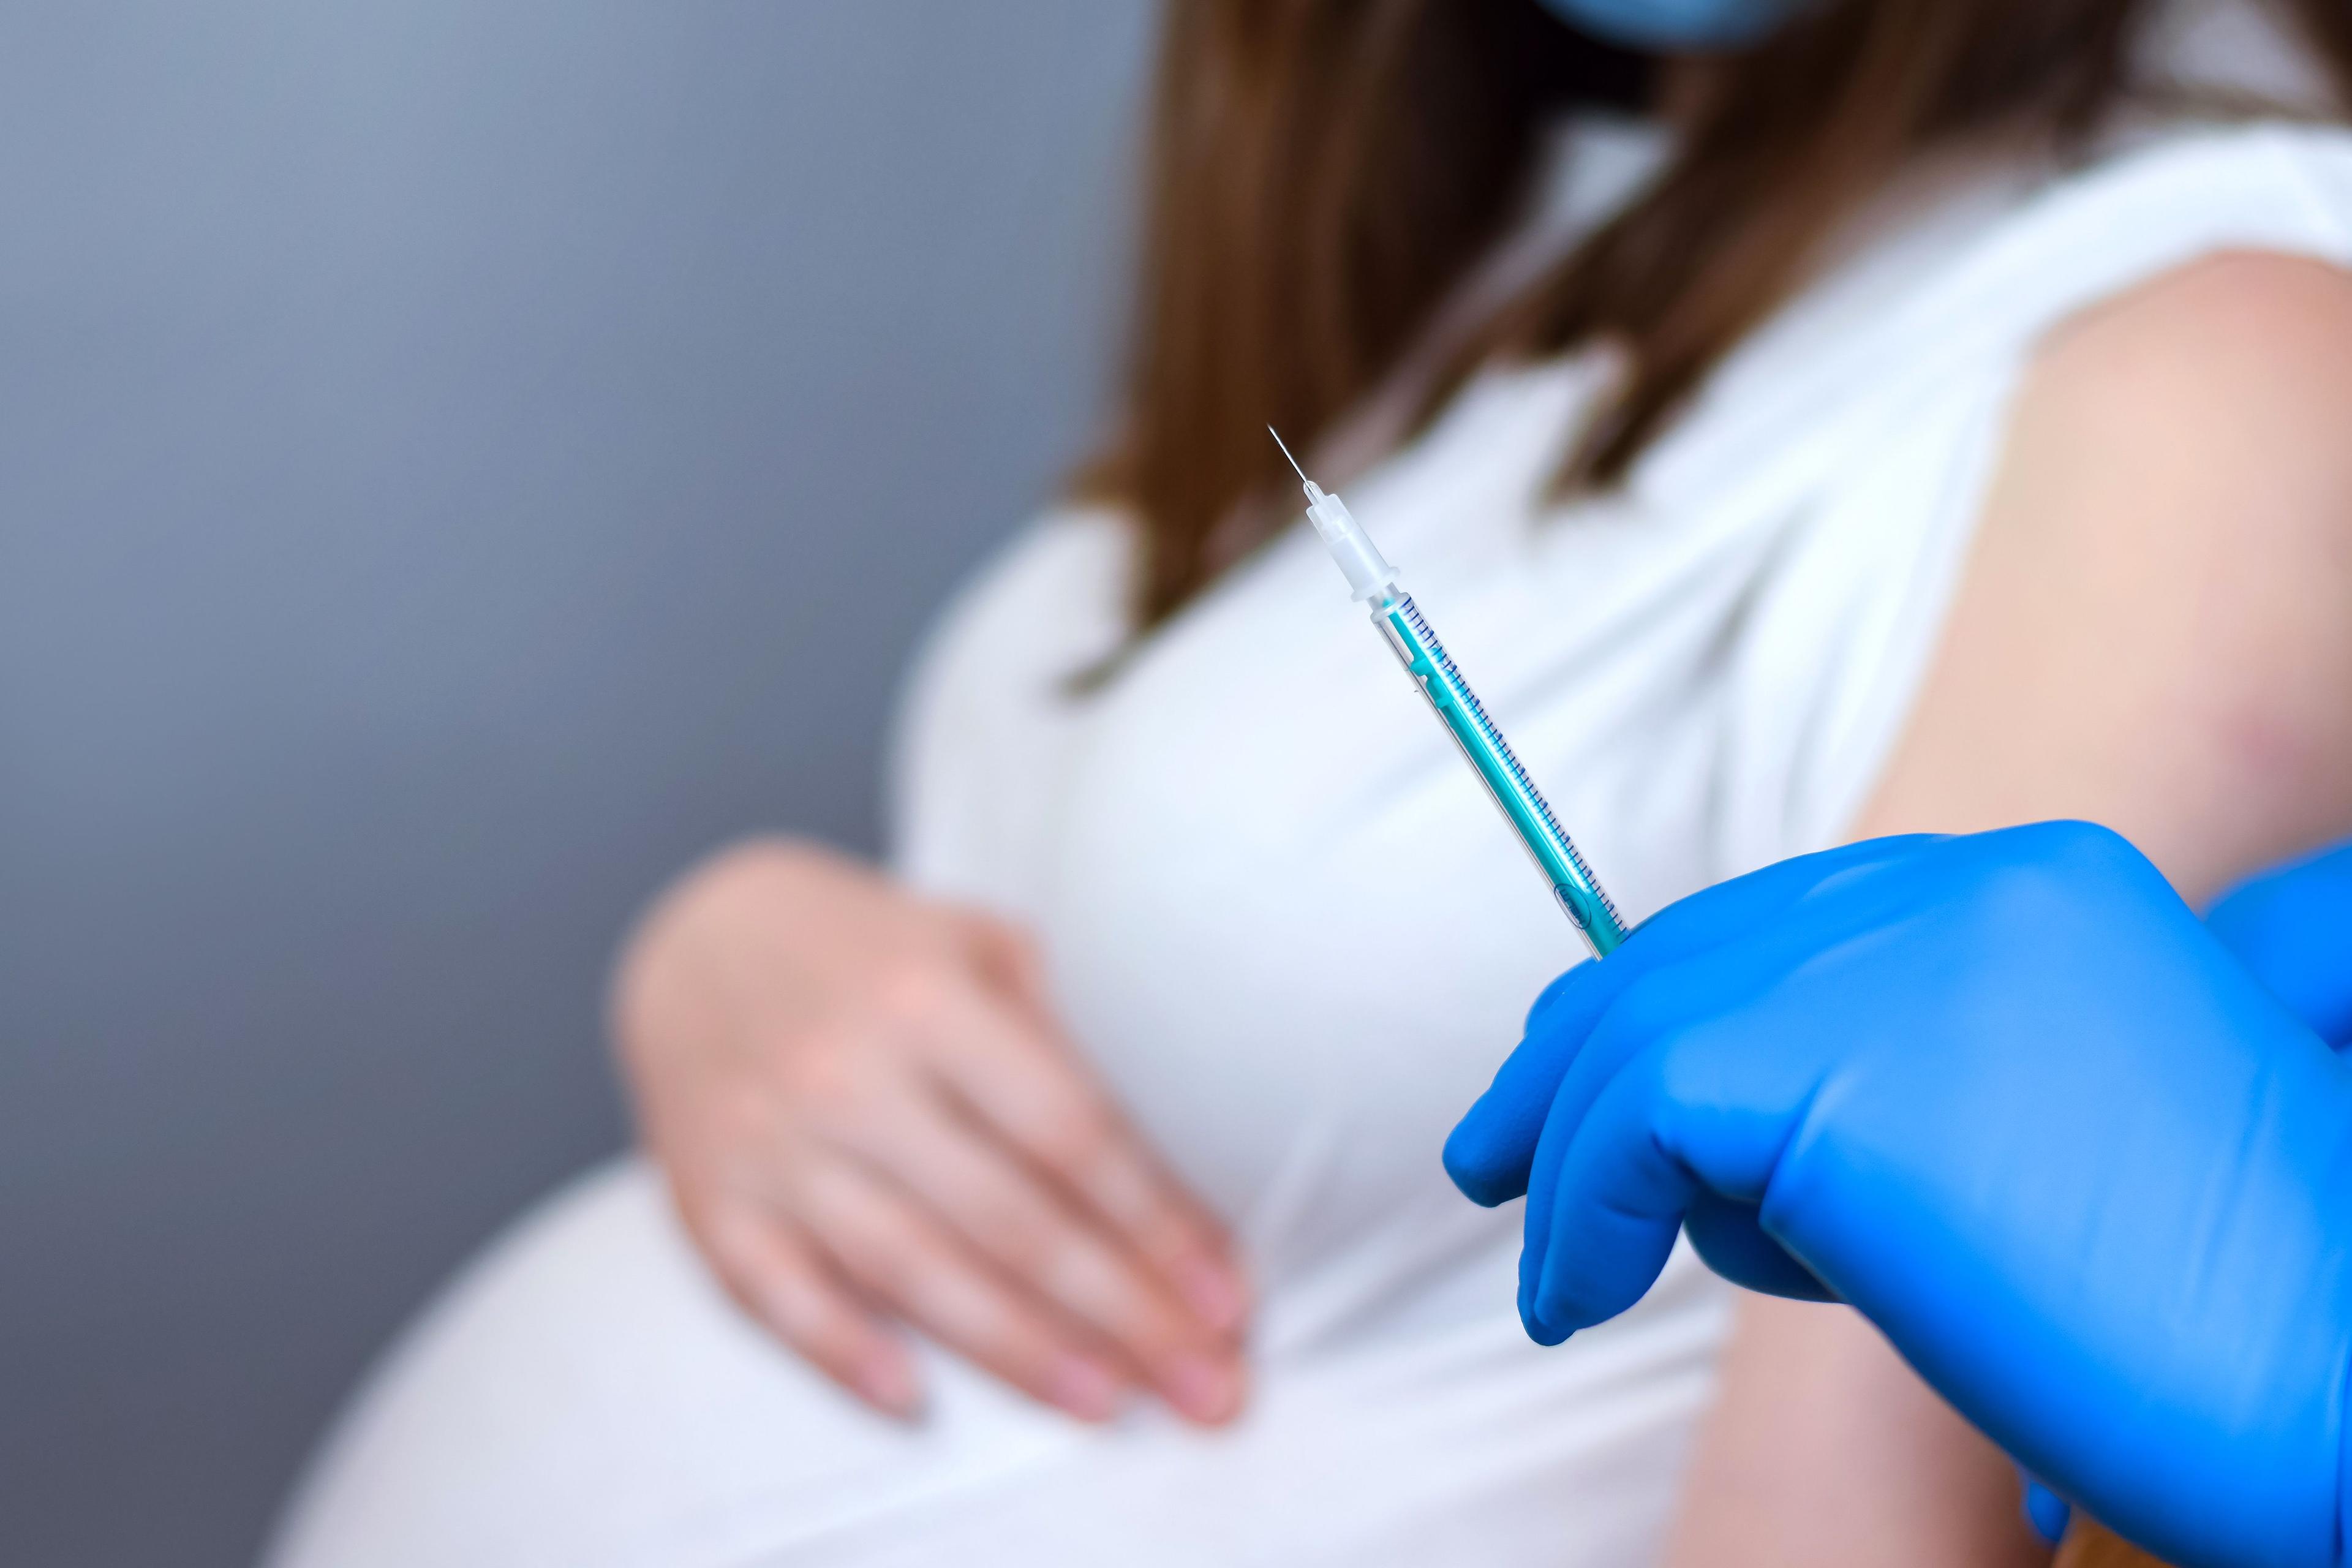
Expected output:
{"points": [[582, 1394]]}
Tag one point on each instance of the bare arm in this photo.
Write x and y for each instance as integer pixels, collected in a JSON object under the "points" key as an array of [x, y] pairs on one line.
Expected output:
{"points": [[2154, 632]]}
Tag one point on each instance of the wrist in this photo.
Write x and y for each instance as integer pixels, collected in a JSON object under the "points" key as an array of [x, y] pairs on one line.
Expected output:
{"points": [[681, 930]]}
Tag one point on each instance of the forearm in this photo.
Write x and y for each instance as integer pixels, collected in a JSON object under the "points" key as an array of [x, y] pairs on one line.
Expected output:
{"points": [[1828, 1450]]}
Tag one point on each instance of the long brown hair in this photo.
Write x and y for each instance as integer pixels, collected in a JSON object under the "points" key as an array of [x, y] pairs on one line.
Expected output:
{"points": [[1320, 174]]}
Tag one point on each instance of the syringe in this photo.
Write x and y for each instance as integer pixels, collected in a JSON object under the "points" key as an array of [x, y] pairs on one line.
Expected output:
{"points": [[1464, 717]]}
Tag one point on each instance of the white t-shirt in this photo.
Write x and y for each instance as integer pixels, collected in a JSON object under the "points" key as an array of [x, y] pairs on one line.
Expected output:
{"points": [[1292, 933]]}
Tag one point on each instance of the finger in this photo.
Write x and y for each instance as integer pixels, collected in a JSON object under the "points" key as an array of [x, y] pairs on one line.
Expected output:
{"points": [[1612, 1221], [1708, 970], [908, 1261], [1488, 1154], [2293, 929], [1697, 1111], [781, 1282], [1645, 1013], [1492, 1149], [1010, 959], [1039, 1240], [1028, 1088], [2046, 1512], [1729, 1236]]}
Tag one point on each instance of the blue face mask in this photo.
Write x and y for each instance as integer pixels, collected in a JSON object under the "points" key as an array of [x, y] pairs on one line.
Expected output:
{"points": [[1670, 27]]}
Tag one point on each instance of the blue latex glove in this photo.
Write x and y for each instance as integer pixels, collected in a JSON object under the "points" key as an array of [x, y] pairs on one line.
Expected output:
{"points": [[2008, 1097], [2294, 929], [2048, 1514]]}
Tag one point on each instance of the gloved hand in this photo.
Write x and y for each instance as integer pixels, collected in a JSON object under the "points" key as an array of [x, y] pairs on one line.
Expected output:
{"points": [[2007, 1097], [2293, 929]]}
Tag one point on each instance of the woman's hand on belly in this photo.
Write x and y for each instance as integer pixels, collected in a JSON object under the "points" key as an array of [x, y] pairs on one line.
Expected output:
{"points": [[867, 1112]]}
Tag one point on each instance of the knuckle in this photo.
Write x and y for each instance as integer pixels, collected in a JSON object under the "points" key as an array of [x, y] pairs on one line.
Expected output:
{"points": [[742, 1115], [819, 1062], [1019, 945], [1098, 1288], [759, 1276], [1676, 1077], [877, 1261], [1649, 1008], [914, 994], [1160, 1227], [716, 1229], [1011, 1231], [728, 1230], [1078, 1274], [833, 1206], [1075, 1138], [836, 1123], [833, 1085], [878, 1255], [961, 1306], [2074, 848], [1123, 1187], [805, 1313], [2056, 877]]}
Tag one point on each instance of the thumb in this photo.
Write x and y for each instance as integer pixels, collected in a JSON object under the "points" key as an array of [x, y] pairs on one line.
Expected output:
{"points": [[1492, 1151]]}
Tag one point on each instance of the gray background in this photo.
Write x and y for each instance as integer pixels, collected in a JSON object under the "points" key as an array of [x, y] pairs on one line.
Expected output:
{"points": [[456, 462]]}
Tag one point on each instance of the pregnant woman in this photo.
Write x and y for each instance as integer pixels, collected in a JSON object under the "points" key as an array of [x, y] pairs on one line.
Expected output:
{"points": [[1807, 420]]}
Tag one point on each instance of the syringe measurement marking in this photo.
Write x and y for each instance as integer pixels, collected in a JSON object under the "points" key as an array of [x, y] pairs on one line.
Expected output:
{"points": [[1374, 583], [1441, 682]]}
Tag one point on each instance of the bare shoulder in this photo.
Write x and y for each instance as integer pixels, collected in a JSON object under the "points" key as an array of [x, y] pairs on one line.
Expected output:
{"points": [[2259, 303], [2151, 628], [2198, 428], [2233, 372]]}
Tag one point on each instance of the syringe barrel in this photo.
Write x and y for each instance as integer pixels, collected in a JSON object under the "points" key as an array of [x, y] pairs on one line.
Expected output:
{"points": [[1515, 793]]}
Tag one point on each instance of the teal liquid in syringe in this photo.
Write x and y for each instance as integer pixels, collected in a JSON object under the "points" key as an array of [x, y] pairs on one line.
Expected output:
{"points": [[1464, 717]]}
